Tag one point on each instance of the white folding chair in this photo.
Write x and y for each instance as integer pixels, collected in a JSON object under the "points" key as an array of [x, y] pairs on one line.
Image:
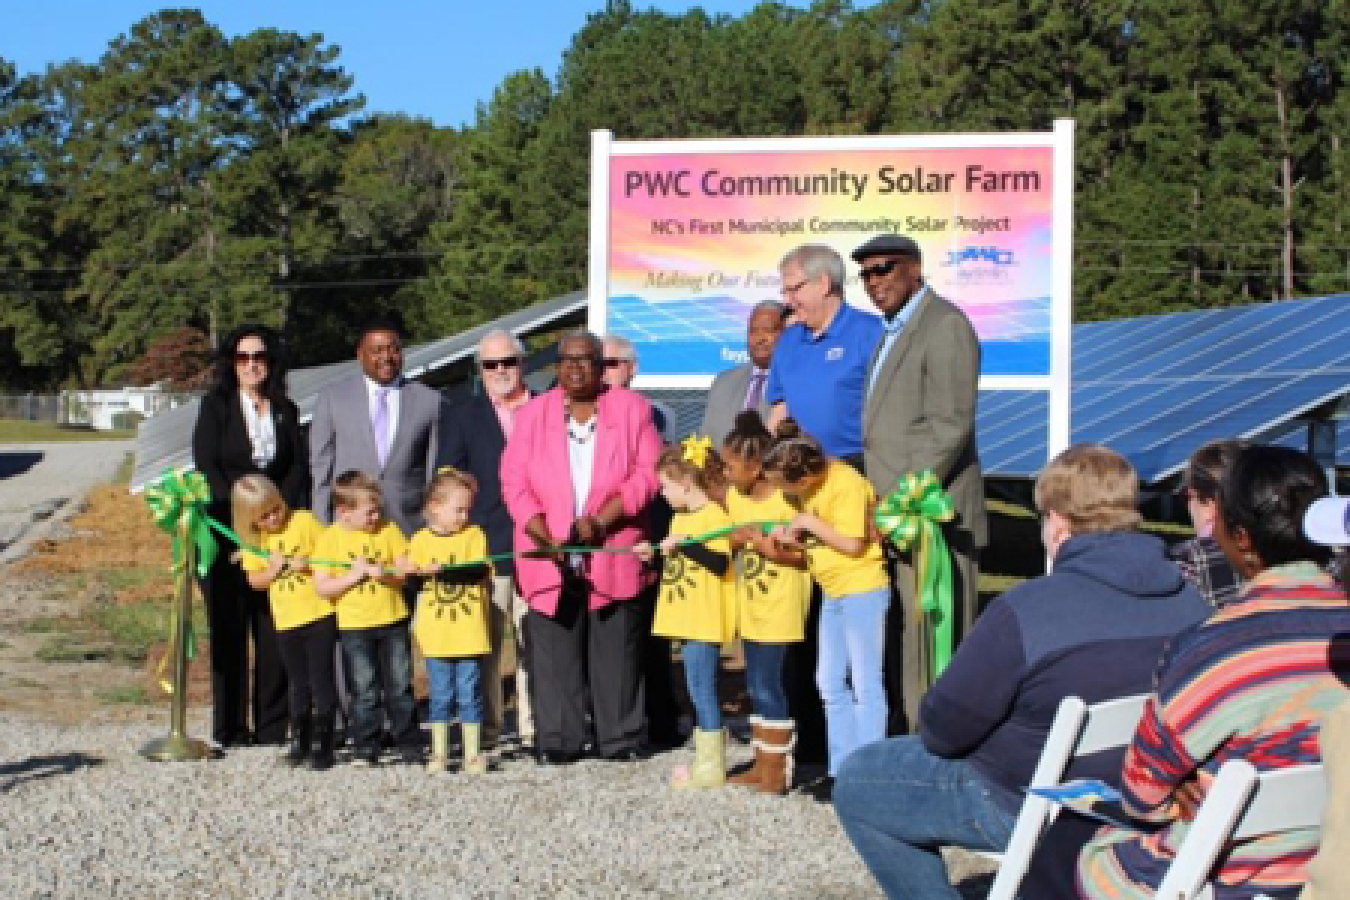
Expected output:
{"points": [[1077, 730], [1242, 804]]}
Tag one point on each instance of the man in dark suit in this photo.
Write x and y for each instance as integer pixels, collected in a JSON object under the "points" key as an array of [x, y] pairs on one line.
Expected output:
{"points": [[742, 387], [376, 421], [473, 433], [919, 414]]}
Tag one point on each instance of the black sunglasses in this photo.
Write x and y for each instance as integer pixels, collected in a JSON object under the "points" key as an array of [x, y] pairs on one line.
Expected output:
{"points": [[613, 362], [245, 356], [879, 269], [506, 362]]}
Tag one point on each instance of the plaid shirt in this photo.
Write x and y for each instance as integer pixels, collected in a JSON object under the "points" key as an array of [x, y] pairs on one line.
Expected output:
{"points": [[1203, 564]]}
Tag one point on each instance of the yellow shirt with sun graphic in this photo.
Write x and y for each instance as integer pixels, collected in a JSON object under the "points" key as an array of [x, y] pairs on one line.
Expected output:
{"points": [[771, 599], [844, 501], [371, 603], [695, 604], [292, 595], [451, 619]]}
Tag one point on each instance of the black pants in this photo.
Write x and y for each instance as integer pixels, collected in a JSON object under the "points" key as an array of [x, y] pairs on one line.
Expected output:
{"points": [[234, 612], [307, 656], [799, 678], [658, 676], [576, 649]]}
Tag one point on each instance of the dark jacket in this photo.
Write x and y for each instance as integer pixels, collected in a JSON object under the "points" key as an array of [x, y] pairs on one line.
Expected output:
{"points": [[471, 440], [221, 451], [1094, 628]]}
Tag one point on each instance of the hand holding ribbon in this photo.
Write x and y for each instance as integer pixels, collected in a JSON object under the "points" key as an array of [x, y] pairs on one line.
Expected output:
{"points": [[911, 518]]}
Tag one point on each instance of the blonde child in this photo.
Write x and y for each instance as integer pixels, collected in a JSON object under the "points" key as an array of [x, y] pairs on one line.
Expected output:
{"points": [[846, 560], [305, 622], [773, 594], [358, 566], [451, 621], [696, 603]]}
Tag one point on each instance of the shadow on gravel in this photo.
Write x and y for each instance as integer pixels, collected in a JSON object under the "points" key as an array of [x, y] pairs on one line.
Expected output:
{"points": [[35, 767], [12, 464]]}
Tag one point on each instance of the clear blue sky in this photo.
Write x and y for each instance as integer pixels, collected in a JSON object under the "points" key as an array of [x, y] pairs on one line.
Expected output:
{"points": [[431, 58]]}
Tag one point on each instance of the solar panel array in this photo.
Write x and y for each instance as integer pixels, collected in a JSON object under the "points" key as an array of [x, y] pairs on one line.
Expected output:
{"points": [[1156, 388]]}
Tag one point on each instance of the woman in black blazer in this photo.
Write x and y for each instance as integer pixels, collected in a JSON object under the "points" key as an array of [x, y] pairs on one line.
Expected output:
{"points": [[247, 424]]}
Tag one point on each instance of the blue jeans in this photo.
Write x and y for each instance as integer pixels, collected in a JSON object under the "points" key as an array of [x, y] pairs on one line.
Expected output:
{"points": [[379, 665], [700, 674], [899, 804], [764, 679], [848, 670], [455, 684]]}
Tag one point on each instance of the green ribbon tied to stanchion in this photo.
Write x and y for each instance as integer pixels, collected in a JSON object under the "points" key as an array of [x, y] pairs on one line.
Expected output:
{"points": [[177, 503], [911, 518]]}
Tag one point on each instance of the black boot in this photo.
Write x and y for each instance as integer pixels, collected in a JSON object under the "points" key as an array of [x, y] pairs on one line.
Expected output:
{"points": [[302, 734], [321, 753]]}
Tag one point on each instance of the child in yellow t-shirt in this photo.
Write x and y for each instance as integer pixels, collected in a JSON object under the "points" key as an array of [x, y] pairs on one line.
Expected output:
{"points": [[773, 595], [451, 620], [358, 564], [305, 624], [696, 602], [846, 560]]}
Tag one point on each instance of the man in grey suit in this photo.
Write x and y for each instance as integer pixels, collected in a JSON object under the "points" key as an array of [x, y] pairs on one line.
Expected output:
{"points": [[377, 422], [919, 414], [742, 387]]}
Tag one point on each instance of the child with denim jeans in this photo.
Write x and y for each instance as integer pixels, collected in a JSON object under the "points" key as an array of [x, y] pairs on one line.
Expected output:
{"points": [[773, 596], [359, 566], [844, 556], [451, 621], [695, 604]]}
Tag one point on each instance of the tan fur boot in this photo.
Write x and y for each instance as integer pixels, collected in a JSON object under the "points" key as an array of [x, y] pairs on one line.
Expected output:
{"points": [[440, 747], [751, 776], [475, 763], [777, 740]]}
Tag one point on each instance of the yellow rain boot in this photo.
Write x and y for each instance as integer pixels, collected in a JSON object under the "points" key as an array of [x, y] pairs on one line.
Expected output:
{"points": [[710, 762], [475, 763], [440, 747]]}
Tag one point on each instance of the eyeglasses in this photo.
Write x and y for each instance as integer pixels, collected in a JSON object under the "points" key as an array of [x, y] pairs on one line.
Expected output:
{"points": [[794, 288], [613, 362], [506, 362], [241, 357], [878, 269]]}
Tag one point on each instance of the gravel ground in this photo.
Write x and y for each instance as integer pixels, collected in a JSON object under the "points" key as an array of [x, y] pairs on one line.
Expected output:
{"points": [[86, 816]]}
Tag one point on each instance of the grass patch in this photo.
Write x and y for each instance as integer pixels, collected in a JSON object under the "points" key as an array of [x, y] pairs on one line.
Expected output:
{"points": [[126, 578], [21, 431], [72, 647], [132, 693], [132, 629], [47, 625]]}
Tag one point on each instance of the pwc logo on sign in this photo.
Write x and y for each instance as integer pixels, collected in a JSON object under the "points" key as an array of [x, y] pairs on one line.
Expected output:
{"points": [[981, 263]]}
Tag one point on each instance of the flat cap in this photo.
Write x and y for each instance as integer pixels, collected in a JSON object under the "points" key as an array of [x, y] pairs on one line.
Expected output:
{"points": [[884, 244]]}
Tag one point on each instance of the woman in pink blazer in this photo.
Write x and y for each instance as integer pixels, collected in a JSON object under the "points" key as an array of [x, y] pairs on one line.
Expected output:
{"points": [[578, 470]]}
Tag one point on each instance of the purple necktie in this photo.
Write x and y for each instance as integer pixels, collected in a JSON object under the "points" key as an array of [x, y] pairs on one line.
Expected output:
{"points": [[380, 422], [755, 395]]}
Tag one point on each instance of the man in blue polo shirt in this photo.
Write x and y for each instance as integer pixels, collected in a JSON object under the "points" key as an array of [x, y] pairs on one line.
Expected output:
{"points": [[819, 369]]}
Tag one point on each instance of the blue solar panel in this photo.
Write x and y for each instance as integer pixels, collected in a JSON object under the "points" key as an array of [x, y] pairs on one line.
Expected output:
{"points": [[1155, 388]]}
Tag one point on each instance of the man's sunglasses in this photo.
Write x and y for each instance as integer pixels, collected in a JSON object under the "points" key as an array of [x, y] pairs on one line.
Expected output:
{"points": [[506, 362], [877, 270]]}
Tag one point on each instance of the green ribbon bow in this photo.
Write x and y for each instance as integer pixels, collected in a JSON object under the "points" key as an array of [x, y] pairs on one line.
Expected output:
{"points": [[177, 504], [911, 517]]}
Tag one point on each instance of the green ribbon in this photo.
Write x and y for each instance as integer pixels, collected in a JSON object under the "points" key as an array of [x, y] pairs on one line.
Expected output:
{"points": [[911, 518], [177, 504]]}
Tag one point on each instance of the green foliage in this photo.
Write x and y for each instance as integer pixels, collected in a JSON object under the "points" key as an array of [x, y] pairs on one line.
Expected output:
{"points": [[186, 182]]}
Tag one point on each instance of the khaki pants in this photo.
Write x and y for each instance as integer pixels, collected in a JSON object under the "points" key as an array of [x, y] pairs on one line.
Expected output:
{"points": [[507, 607]]}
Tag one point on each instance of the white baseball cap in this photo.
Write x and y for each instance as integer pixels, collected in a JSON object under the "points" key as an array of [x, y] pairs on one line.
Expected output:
{"points": [[1327, 521]]}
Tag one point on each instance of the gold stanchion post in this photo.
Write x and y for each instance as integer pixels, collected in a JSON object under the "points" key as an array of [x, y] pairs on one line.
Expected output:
{"points": [[178, 747]]}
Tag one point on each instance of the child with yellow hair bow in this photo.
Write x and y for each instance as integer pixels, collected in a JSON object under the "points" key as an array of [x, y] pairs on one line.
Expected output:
{"points": [[696, 605]]}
